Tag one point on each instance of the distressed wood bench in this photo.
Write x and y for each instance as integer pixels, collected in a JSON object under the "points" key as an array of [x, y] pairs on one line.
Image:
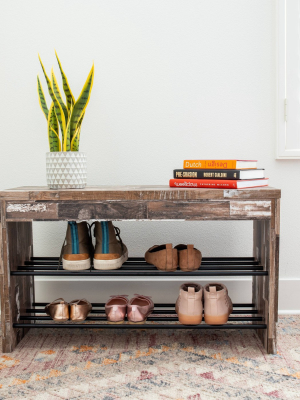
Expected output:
{"points": [[21, 206]]}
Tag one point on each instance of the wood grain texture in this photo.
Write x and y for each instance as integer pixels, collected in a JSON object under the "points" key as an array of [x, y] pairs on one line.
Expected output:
{"points": [[17, 292], [188, 210], [27, 211], [265, 289], [102, 210], [161, 192], [1, 238], [259, 209]]}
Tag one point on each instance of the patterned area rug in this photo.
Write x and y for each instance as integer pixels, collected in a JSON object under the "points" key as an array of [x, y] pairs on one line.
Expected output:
{"points": [[55, 364]]}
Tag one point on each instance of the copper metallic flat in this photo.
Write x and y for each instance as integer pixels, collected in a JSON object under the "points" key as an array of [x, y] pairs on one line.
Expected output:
{"points": [[115, 309], [139, 308], [58, 310], [79, 310]]}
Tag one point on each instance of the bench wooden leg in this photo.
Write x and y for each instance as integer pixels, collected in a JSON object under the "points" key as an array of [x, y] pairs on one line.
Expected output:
{"points": [[265, 288], [17, 292]]}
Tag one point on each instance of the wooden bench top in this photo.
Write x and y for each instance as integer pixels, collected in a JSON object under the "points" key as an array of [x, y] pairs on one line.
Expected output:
{"points": [[144, 192]]}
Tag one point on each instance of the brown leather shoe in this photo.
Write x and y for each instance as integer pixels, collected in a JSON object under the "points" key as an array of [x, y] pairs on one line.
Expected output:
{"points": [[189, 258], [164, 257], [217, 304], [116, 308], [189, 305], [58, 310], [139, 308], [79, 309]]}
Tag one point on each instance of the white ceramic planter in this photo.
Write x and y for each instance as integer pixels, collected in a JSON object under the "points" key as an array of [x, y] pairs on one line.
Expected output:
{"points": [[66, 170]]}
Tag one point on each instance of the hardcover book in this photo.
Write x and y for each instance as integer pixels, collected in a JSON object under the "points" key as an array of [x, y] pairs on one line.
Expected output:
{"points": [[219, 164], [218, 183], [218, 173]]}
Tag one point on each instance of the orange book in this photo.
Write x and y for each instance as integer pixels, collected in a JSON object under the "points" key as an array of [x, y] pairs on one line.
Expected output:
{"points": [[220, 164]]}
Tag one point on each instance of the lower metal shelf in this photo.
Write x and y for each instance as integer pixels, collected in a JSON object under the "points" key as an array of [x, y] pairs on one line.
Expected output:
{"points": [[161, 318], [142, 326]]}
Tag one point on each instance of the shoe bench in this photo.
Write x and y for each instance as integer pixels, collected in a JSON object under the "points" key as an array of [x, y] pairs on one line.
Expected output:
{"points": [[21, 206]]}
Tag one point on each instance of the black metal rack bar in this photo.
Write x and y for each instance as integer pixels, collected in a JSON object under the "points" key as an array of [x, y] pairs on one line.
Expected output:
{"points": [[132, 264], [159, 305], [137, 266], [152, 317], [42, 311], [119, 272], [147, 268], [141, 326], [138, 259]]}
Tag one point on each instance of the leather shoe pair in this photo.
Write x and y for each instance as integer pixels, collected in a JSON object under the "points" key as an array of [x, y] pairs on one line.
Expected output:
{"points": [[137, 309], [166, 258], [76, 310], [212, 299]]}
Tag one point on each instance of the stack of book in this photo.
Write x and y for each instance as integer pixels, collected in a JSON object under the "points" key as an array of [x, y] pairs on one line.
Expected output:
{"points": [[230, 174]]}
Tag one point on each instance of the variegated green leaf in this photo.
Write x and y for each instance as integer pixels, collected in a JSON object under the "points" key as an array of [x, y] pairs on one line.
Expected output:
{"points": [[58, 110], [69, 95], [81, 103], [54, 142], [67, 138], [58, 94], [76, 137], [42, 99], [75, 141]]}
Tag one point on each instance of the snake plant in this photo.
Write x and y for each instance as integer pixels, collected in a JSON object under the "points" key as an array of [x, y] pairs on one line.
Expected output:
{"points": [[66, 116]]}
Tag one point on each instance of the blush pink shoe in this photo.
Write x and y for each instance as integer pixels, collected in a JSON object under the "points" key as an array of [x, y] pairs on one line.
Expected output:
{"points": [[116, 308], [139, 308]]}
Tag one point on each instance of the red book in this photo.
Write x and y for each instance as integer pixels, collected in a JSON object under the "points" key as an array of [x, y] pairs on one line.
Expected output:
{"points": [[218, 183]]}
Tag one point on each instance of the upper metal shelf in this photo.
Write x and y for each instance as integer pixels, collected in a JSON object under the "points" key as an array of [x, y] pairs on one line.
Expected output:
{"points": [[137, 266]]}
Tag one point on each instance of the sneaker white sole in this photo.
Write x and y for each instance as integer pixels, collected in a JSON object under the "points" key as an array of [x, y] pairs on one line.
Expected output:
{"points": [[76, 265], [111, 264]]}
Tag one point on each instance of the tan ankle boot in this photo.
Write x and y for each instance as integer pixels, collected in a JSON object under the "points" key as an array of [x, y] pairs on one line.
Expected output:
{"points": [[217, 304], [189, 305], [110, 251]]}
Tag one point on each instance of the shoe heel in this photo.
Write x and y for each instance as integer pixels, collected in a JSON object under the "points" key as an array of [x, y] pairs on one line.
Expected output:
{"points": [[115, 323], [189, 319], [216, 319], [76, 265], [136, 323]]}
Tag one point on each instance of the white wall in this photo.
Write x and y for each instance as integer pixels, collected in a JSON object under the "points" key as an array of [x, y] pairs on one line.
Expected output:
{"points": [[174, 79]]}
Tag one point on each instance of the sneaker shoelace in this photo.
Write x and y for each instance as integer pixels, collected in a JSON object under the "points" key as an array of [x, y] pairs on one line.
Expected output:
{"points": [[117, 232]]}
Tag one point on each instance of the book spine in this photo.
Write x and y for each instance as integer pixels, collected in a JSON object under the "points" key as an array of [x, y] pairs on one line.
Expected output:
{"points": [[205, 174], [202, 183], [209, 164]]}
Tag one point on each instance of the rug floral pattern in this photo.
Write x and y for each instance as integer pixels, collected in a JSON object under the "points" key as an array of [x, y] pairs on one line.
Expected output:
{"points": [[56, 364]]}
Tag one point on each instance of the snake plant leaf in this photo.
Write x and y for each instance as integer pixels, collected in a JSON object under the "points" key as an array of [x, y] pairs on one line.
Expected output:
{"points": [[54, 142], [42, 99], [58, 94], [69, 95], [67, 138], [81, 103], [75, 141], [76, 137], [58, 110]]}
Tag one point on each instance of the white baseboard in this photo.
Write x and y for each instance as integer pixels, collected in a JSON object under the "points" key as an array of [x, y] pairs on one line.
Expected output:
{"points": [[162, 290]]}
